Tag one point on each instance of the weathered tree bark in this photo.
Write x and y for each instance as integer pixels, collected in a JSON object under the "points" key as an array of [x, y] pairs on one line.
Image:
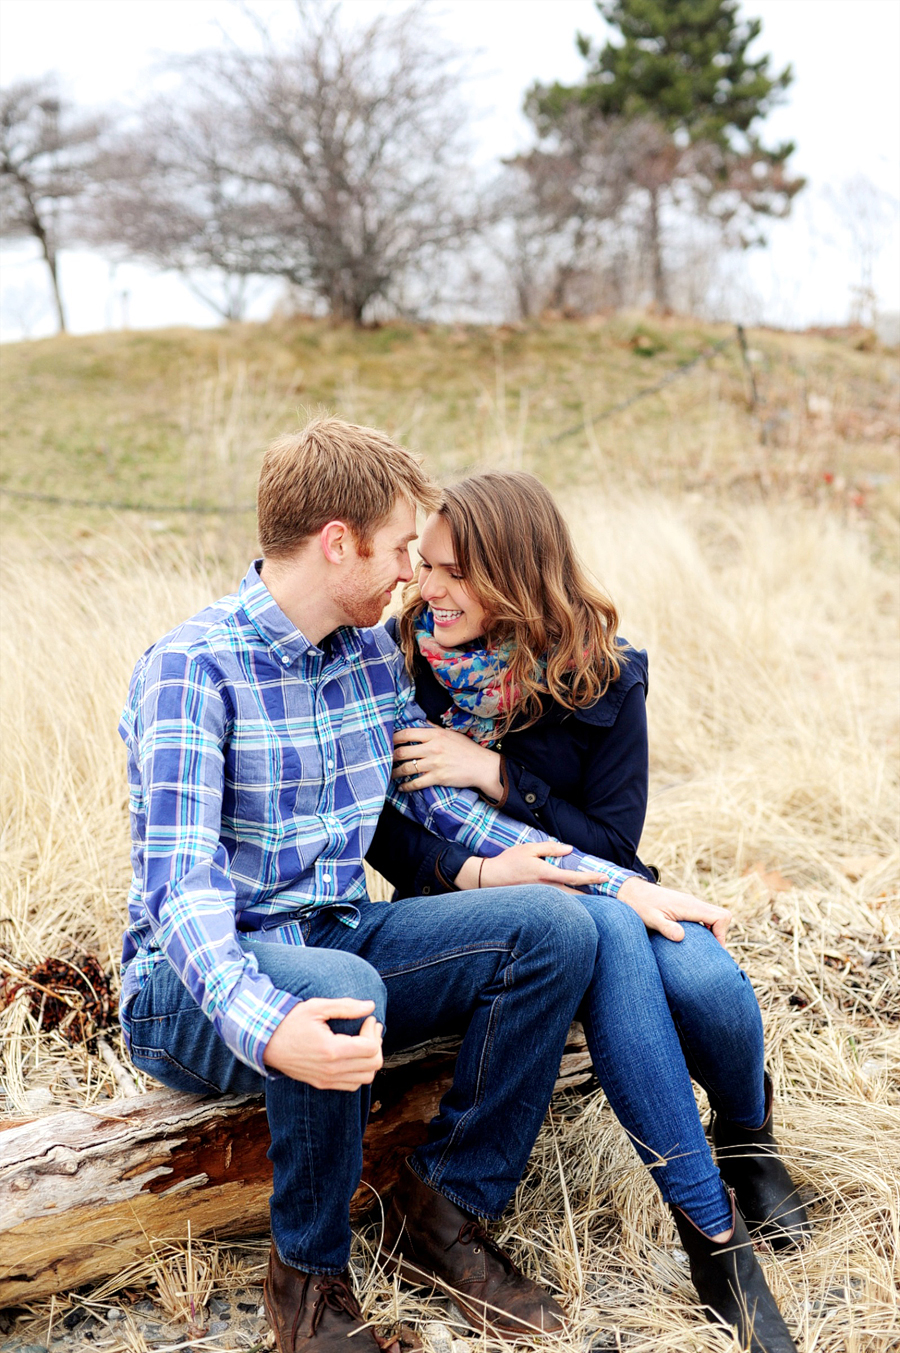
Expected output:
{"points": [[660, 280], [84, 1193]]}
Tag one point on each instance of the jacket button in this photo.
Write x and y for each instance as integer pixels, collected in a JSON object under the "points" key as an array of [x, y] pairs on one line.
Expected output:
{"points": [[530, 798], [426, 890]]}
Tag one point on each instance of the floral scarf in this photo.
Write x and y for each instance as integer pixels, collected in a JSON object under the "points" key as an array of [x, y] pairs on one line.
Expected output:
{"points": [[474, 677]]}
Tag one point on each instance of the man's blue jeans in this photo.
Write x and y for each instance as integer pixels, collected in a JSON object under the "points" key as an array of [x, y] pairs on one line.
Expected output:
{"points": [[506, 969], [657, 1013]]}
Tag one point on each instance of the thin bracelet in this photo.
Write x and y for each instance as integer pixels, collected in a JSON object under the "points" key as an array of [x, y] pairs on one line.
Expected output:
{"points": [[480, 867]]}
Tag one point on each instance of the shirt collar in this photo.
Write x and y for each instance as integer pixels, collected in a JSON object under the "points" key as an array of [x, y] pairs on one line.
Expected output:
{"points": [[276, 630]]}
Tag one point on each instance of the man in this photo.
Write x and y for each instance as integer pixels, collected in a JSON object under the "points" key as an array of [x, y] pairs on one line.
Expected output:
{"points": [[259, 739]]}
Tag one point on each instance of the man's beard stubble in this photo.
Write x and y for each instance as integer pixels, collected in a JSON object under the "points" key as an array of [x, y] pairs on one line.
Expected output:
{"points": [[361, 603]]}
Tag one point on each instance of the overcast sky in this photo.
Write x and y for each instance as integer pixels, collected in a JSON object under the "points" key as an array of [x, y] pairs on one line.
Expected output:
{"points": [[843, 112]]}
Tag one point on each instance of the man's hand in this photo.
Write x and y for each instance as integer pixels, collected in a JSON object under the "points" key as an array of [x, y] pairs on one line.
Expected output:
{"points": [[441, 756], [662, 908], [305, 1048], [524, 864]]}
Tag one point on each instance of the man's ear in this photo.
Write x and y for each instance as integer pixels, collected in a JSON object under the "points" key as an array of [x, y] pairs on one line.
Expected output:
{"points": [[336, 540]]}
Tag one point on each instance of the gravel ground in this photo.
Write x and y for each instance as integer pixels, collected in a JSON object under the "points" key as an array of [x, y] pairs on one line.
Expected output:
{"points": [[235, 1321]]}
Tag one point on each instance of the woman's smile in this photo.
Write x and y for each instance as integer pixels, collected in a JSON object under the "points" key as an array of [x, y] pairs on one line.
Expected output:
{"points": [[458, 616], [445, 618]]}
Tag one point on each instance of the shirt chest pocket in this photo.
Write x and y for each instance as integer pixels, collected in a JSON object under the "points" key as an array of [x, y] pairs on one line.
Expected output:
{"points": [[366, 765], [302, 781]]}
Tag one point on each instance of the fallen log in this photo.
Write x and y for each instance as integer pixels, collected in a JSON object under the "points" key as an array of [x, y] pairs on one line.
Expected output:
{"points": [[87, 1192]]}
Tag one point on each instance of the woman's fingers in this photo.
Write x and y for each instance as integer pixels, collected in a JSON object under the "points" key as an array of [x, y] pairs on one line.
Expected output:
{"points": [[662, 908], [410, 781], [573, 877], [658, 920], [410, 742], [412, 752], [686, 908], [404, 735], [577, 878]]}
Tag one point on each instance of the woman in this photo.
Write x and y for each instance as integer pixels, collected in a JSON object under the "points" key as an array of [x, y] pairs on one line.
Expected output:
{"points": [[535, 702]]}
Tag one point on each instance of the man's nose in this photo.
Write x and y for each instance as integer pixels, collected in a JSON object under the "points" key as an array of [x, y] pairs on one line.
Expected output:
{"points": [[406, 572]]}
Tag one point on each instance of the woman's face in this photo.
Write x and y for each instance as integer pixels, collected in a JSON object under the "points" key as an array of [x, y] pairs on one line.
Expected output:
{"points": [[458, 616]]}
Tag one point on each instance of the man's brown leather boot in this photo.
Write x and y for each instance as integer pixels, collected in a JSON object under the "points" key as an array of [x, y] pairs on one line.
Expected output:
{"points": [[316, 1312], [430, 1242]]}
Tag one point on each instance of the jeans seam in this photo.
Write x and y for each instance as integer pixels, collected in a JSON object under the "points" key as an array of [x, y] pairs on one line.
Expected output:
{"points": [[437, 959], [310, 1156], [487, 1045], [462, 1203], [163, 1054]]}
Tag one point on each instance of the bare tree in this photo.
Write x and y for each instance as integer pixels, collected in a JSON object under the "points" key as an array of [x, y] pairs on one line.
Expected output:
{"points": [[600, 197], [335, 162], [867, 216], [46, 157], [168, 200], [561, 206]]}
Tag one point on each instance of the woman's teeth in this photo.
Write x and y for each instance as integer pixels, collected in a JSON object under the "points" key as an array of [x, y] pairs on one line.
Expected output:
{"points": [[445, 617]]}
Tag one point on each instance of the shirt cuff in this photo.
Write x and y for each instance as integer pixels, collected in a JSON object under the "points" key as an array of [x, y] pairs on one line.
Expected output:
{"points": [[438, 868], [616, 879], [449, 863], [248, 1027]]}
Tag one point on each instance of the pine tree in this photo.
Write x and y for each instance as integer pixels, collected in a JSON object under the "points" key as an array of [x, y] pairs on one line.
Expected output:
{"points": [[679, 70]]}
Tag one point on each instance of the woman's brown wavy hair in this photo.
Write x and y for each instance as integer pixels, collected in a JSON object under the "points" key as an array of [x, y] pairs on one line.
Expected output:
{"points": [[515, 554]]}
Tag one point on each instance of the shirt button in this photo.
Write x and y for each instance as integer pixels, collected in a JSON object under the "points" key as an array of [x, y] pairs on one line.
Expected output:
{"points": [[286, 660], [326, 878], [426, 890], [530, 798], [330, 764]]}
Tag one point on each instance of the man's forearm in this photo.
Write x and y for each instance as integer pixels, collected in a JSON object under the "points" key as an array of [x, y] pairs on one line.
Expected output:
{"points": [[460, 815]]}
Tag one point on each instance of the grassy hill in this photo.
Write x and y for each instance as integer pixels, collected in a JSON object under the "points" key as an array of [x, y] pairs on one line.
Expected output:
{"points": [[752, 551], [179, 417]]}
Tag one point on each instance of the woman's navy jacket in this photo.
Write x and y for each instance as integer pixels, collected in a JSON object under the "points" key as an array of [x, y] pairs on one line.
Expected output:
{"points": [[579, 775]]}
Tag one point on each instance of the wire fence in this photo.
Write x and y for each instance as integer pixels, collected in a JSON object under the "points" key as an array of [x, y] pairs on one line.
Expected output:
{"points": [[706, 355], [163, 509], [212, 509]]}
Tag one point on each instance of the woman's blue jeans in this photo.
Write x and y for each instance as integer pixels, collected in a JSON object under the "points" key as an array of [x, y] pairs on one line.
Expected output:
{"points": [[505, 969], [657, 1013]]}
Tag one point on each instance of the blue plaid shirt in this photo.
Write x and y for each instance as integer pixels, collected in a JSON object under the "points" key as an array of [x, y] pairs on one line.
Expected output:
{"points": [[258, 765]]}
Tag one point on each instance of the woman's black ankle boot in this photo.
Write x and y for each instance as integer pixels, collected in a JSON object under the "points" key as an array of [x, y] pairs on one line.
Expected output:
{"points": [[766, 1195], [732, 1286]]}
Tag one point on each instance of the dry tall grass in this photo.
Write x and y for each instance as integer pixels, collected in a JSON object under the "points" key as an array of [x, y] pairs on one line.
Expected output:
{"points": [[774, 663]]}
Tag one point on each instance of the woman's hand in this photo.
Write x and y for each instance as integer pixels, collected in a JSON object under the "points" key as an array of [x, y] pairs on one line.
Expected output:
{"points": [[662, 908], [523, 864], [439, 756]]}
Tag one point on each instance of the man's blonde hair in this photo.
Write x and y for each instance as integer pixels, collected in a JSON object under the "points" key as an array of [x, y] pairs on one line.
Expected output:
{"points": [[334, 471]]}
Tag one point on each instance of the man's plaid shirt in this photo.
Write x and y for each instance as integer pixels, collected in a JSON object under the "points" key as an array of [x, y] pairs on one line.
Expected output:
{"points": [[258, 765]]}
